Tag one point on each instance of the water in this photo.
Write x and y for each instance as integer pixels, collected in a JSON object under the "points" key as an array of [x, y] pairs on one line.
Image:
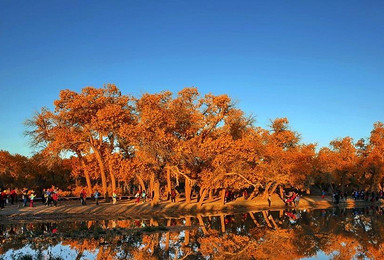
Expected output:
{"points": [[286, 234]]}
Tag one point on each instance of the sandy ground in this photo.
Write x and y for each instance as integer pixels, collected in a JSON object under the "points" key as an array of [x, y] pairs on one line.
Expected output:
{"points": [[72, 210]]}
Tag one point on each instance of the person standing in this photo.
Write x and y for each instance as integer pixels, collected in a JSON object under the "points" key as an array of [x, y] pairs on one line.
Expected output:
{"points": [[44, 197], [144, 196], [31, 198], [25, 197], [83, 197], [48, 197], [97, 195], [2, 198], [226, 196], [355, 194], [245, 194], [13, 196], [7, 193], [137, 196], [173, 195], [55, 198], [114, 197]]}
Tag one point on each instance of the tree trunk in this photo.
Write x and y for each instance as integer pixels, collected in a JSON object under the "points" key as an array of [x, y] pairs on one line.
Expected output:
{"points": [[273, 189], [112, 176], [266, 218], [169, 184], [79, 254], [201, 191], [155, 244], [223, 197], [210, 196], [85, 171], [128, 188], [167, 236], [254, 219], [253, 194], [141, 182], [102, 172], [187, 231], [202, 225], [100, 254], [156, 196], [266, 191], [222, 221], [281, 216], [87, 178], [273, 222], [373, 186], [176, 254], [188, 191], [202, 197], [153, 223], [151, 185], [342, 183], [147, 246], [281, 192]]}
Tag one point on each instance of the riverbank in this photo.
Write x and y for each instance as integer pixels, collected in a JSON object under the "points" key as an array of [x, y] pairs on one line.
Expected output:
{"points": [[72, 210]]}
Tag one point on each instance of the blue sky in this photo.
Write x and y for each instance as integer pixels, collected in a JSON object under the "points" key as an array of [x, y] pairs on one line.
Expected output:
{"points": [[319, 63]]}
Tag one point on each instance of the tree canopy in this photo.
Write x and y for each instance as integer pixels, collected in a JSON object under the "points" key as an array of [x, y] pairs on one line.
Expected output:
{"points": [[197, 143]]}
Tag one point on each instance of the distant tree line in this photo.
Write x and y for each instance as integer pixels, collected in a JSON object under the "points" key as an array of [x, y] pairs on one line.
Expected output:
{"points": [[35, 173]]}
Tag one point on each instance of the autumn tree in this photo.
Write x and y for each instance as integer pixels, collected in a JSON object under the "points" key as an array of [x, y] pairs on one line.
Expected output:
{"points": [[371, 158], [344, 160], [285, 162], [82, 123]]}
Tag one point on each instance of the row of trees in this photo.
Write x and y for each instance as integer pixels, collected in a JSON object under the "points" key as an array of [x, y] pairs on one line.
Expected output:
{"points": [[163, 140], [17, 171]]}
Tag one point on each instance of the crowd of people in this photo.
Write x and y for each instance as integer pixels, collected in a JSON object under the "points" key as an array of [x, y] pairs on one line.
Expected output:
{"points": [[50, 196], [362, 195], [141, 195], [292, 198], [11, 196], [367, 196], [339, 196], [7, 196]]}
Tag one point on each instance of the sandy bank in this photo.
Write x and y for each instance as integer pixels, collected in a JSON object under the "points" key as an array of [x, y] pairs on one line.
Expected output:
{"points": [[128, 209]]}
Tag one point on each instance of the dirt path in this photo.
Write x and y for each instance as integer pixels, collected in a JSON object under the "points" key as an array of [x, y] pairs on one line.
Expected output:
{"points": [[128, 209]]}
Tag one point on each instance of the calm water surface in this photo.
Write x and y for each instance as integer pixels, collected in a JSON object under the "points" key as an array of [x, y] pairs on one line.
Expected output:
{"points": [[286, 234]]}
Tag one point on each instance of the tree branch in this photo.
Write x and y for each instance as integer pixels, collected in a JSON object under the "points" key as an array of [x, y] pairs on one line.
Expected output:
{"points": [[240, 175]]}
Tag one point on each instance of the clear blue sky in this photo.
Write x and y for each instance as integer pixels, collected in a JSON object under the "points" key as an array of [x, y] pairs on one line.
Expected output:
{"points": [[319, 63]]}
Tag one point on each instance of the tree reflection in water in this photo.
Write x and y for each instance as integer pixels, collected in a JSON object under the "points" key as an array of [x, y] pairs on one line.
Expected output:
{"points": [[288, 234]]}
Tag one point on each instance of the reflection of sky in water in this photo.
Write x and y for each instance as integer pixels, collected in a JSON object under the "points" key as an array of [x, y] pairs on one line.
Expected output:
{"points": [[241, 224], [321, 256], [65, 252]]}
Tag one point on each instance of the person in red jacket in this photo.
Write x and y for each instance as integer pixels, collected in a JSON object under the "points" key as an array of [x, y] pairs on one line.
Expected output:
{"points": [[83, 196], [173, 195], [13, 196], [55, 198]]}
